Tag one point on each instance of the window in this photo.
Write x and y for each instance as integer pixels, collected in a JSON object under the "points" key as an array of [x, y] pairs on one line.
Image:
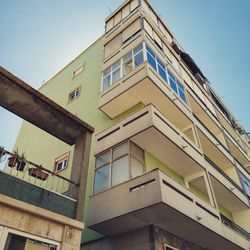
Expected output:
{"points": [[19, 242], [133, 59], [130, 61], [177, 86], [112, 74], [246, 184], [117, 165], [120, 15], [78, 70], [74, 94], [168, 76], [61, 162]]}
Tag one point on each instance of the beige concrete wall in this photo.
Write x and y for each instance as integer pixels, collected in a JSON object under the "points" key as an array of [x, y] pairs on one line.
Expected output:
{"points": [[38, 222]]}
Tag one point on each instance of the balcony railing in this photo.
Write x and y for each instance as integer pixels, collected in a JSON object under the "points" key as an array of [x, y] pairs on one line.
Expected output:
{"points": [[235, 227], [17, 166], [223, 173]]}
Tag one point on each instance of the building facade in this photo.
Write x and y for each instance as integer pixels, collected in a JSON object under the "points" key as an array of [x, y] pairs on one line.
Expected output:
{"points": [[169, 165]]}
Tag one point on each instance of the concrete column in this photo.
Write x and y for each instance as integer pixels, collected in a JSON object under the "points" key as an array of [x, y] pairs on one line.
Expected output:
{"points": [[79, 172]]}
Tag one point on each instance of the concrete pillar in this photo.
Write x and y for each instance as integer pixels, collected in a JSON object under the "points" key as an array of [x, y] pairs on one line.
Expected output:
{"points": [[79, 172]]}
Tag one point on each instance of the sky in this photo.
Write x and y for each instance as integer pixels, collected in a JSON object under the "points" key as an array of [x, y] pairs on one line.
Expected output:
{"points": [[38, 38]]}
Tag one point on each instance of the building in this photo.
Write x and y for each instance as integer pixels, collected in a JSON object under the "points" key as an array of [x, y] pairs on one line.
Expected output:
{"points": [[41, 210], [169, 165]]}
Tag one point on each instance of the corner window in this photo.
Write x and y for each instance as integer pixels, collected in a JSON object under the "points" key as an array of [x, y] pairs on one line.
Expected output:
{"points": [[129, 62], [132, 60], [74, 94], [61, 162], [121, 163]]}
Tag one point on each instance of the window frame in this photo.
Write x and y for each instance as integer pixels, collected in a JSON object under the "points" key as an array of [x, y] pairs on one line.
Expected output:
{"points": [[110, 68], [60, 159], [7, 231], [78, 70], [78, 89], [169, 74], [111, 160]]}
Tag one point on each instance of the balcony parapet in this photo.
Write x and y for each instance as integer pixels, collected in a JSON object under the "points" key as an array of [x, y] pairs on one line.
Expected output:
{"points": [[235, 227], [155, 198]]}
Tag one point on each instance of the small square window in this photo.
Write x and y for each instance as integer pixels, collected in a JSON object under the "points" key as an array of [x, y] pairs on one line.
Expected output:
{"points": [[61, 162], [74, 94], [78, 70]]}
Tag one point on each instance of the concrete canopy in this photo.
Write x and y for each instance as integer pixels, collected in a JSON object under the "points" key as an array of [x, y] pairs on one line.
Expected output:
{"points": [[28, 103]]}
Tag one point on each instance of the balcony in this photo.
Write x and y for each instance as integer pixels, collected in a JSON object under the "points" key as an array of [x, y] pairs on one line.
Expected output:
{"points": [[154, 133], [144, 85], [155, 198], [237, 151], [28, 182]]}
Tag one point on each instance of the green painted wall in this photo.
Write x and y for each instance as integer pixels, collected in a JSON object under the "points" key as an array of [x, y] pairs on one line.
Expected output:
{"points": [[199, 193], [29, 193], [152, 163], [225, 212]]}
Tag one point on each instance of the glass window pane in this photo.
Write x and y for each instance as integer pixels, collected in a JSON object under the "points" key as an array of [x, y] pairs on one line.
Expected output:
{"points": [[101, 178], [150, 51], [106, 82], [182, 95], [137, 49], [162, 73], [127, 57], [128, 67], [161, 63], [116, 75], [120, 170], [120, 150], [116, 65], [102, 159], [136, 151], [138, 59], [106, 71], [180, 85], [171, 75], [136, 167], [151, 61], [173, 85]]}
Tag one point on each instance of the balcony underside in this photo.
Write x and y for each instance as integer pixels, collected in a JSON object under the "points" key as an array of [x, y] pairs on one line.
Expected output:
{"points": [[214, 150], [238, 153], [226, 198], [156, 199]]}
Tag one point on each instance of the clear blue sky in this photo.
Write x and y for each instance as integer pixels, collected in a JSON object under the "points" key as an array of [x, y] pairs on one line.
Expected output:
{"points": [[38, 38]]}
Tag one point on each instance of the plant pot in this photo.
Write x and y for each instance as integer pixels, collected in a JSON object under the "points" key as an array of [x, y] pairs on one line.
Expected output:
{"points": [[2, 153], [20, 165], [12, 161], [38, 173]]}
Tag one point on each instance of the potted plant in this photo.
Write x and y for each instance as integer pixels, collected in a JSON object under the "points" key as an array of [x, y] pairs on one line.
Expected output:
{"points": [[21, 163], [2, 152], [14, 159], [38, 173]]}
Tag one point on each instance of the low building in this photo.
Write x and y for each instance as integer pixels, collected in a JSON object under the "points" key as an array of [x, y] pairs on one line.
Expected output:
{"points": [[39, 208]]}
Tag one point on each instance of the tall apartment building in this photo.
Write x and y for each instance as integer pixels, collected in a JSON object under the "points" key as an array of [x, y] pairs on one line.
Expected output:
{"points": [[169, 164]]}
